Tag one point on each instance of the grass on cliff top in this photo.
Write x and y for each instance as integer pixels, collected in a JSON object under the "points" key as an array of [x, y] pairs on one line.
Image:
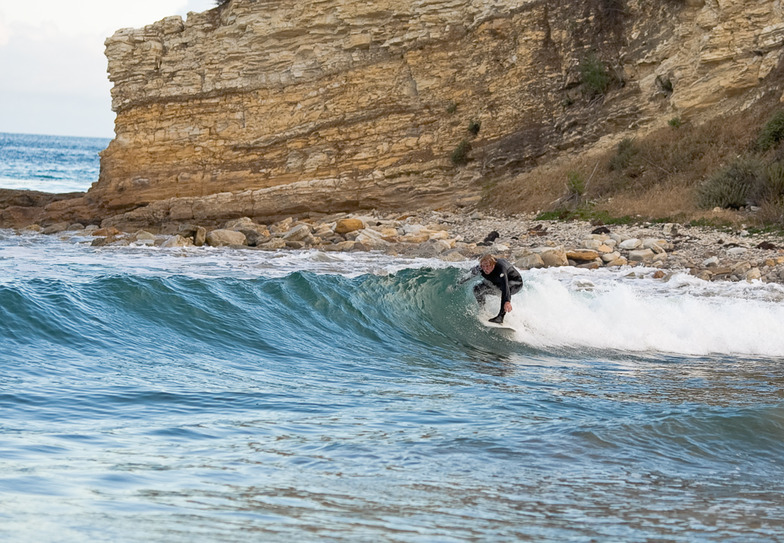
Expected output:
{"points": [[680, 172]]}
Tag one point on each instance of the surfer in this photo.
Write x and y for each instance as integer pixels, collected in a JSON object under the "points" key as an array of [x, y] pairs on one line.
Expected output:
{"points": [[498, 275]]}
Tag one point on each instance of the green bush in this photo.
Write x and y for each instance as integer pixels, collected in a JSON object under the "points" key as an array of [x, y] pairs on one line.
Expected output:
{"points": [[594, 75], [733, 187], [772, 133], [474, 127], [460, 154], [770, 189], [774, 180], [675, 122], [575, 184], [626, 151]]}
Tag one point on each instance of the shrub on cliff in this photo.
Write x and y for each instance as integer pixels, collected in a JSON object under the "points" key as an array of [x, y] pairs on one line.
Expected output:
{"points": [[733, 187], [460, 154], [772, 133], [771, 195], [595, 77], [625, 152]]}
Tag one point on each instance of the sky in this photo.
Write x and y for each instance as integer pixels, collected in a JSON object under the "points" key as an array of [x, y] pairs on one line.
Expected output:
{"points": [[52, 66]]}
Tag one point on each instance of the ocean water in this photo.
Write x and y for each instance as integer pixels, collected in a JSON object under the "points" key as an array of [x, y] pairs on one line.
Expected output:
{"points": [[221, 395], [49, 163]]}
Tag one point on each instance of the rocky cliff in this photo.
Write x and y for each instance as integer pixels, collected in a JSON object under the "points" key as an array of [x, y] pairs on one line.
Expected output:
{"points": [[263, 108]]}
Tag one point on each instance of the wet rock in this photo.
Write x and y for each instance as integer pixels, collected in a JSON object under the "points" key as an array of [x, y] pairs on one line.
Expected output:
{"points": [[630, 244], [594, 265], [297, 233], [741, 268], [592, 244], [281, 227], [344, 226], [753, 274], [583, 255], [55, 228], [527, 262], [177, 241], [200, 236], [453, 256], [105, 232], [641, 255], [273, 244], [223, 238], [554, 258], [371, 240]]}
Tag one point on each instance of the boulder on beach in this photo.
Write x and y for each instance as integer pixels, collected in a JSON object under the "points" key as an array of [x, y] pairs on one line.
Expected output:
{"points": [[223, 237], [344, 226], [554, 258]]}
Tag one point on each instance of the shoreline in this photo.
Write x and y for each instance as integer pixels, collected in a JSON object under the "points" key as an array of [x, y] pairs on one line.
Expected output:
{"points": [[669, 248]]}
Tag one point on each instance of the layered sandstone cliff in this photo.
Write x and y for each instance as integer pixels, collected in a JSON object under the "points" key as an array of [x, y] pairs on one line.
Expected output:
{"points": [[263, 108]]}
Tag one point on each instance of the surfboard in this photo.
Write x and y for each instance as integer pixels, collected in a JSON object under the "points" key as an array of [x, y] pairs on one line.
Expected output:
{"points": [[484, 319], [497, 326]]}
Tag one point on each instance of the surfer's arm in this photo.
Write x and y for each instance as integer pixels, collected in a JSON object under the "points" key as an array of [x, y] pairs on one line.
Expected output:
{"points": [[506, 295], [506, 290]]}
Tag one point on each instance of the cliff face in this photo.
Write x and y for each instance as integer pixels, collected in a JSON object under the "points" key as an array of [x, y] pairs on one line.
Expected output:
{"points": [[263, 108]]}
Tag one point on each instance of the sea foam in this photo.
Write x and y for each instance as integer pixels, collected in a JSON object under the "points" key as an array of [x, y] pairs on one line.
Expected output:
{"points": [[684, 315]]}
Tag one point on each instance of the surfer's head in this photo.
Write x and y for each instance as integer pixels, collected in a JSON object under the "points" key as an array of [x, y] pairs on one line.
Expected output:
{"points": [[487, 263]]}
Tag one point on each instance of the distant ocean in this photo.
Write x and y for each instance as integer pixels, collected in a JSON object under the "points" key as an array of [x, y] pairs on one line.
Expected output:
{"points": [[220, 395], [49, 163]]}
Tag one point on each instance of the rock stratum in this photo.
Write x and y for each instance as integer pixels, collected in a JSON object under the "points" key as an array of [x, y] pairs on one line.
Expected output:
{"points": [[266, 109]]}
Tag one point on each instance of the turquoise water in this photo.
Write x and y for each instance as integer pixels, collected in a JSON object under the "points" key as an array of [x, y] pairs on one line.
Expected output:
{"points": [[169, 395], [219, 395], [49, 163]]}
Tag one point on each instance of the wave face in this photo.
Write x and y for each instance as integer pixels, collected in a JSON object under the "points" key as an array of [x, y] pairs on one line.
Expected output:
{"points": [[151, 394]]}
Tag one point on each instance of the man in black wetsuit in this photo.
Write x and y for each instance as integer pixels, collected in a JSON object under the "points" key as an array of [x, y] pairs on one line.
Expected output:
{"points": [[498, 274]]}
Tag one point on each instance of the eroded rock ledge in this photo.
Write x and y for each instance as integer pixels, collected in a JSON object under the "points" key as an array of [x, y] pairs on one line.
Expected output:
{"points": [[336, 105]]}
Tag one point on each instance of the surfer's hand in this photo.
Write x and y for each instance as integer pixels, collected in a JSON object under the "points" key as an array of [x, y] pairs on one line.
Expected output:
{"points": [[508, 307]]}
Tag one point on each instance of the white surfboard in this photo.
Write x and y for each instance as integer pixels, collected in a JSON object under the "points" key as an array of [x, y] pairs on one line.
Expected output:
{"points": [[484, 318]]}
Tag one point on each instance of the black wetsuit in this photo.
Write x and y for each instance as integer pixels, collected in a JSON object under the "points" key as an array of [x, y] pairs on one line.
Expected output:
{"points": [[505, 278]]}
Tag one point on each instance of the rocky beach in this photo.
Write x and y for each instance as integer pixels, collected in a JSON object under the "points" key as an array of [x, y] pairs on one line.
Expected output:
{"points": [[660, 249]]}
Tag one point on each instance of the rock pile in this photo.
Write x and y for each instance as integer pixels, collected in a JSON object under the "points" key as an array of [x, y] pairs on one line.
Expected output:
{"points": [[663, 248]]}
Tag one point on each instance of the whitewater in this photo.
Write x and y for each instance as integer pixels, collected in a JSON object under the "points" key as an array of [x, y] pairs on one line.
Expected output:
{"points": [[206, 394]]}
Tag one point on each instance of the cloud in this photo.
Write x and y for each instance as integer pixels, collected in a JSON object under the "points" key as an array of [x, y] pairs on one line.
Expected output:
{"points": [[198, 6], [5, 32], [51, 49], [48, 60], [55, 113]]}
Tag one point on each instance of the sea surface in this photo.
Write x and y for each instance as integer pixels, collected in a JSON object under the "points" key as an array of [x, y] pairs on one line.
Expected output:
{"points": [[221, 395], [49, 163]]}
